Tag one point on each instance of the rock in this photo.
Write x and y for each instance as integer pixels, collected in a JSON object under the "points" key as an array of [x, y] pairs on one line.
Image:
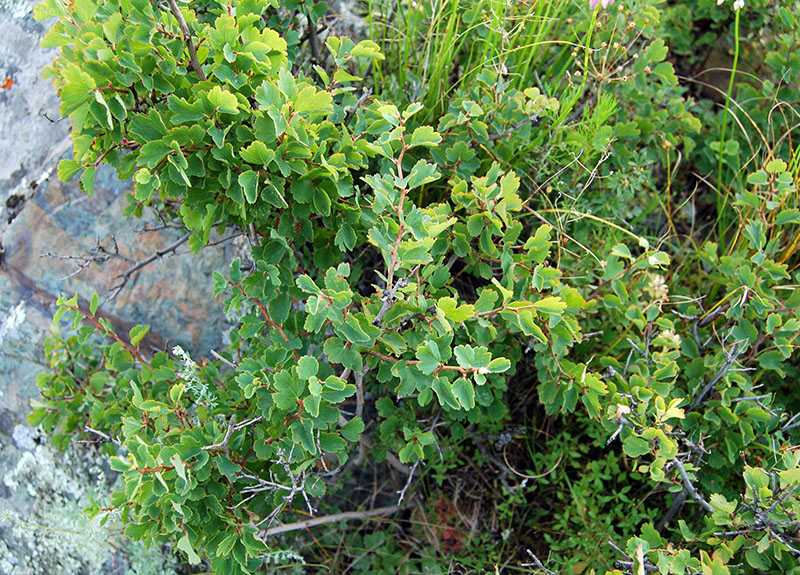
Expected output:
{"points": [[42, 490], [27, 136], [23, 437]]}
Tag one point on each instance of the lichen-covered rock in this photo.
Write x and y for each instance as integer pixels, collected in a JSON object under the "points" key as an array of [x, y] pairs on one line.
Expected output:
{"points": [[42, 491], [53, 536]]}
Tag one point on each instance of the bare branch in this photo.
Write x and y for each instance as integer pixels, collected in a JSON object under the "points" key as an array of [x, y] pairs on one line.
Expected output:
{"points": [[687, 483], [352, 111], [187, 37], [346, 516], [127, 274], [231, 428], [538, 564], [729, 361], [223, 360], [103, 435], [388, 297], [402, 492]]}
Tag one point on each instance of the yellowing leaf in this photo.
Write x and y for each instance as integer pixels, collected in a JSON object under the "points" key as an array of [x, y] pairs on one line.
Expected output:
{"points": [[312, 101], [454, 312]]}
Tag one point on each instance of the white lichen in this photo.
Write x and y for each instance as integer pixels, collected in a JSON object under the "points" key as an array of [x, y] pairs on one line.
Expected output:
{"points": [[56, 537], [9, 327]]}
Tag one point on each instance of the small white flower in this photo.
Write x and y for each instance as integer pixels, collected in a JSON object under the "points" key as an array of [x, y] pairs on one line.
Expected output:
{"points": [[673, 338], [738, 4], [658, 287]]}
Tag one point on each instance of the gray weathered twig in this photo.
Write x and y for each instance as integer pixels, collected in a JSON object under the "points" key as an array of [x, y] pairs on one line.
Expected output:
{"points": [[103, 435], [388, 298], [538, 564], [187, 37], [128, 273], [690, 488], [729, 361], [231, 428], [347, 516]]}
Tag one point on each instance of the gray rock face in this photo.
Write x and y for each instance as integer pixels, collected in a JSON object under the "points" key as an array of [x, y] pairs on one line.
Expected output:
{"points": [[42, 491], [27, 136]]}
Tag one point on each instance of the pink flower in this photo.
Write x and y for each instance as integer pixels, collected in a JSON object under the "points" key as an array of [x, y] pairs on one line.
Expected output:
{"points": [[605, 3]]}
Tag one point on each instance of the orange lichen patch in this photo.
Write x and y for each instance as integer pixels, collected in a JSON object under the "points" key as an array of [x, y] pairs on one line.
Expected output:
{"points": [[7, 83]]}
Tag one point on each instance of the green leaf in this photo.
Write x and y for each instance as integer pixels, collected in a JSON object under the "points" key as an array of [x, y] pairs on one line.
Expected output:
{"points": [[424, 136], [183, 112], [257, 153], [137, 333], [464, 392], [271, 194], [249, 183], [76, 89], [306, 284], [87, 180], [153, 152], [789, 476], [337, 353], [303, 434], [422, 173], [227, 467], [367, 49], [180, 468], [453, 312], [227, 544], [775, 166], [332, 442], [67, 169], [444, 391], [311, 101], [353, 429], [791, 215], [550, 304], [186, 547], [223, 101], [429, 357], [345, 238], [411, 253], [307, 367], [93, 304], [758, 178], [622, 251], [469, 357], [635, 446], [499, 365]]}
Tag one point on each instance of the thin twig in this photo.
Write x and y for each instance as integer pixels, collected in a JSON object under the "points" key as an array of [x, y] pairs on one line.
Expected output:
{"points": [[402, 492], [533, 119], [223, 360], [352, 111], [126, 275], [346, 516], [538, 564], [231, 428], [687, 483], [388, 298], [187, 37], [359, 377], [731, 359], [103, 435]]}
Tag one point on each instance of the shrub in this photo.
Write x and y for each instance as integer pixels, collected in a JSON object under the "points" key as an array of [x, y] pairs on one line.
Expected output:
{"points": [[399, 280]]}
